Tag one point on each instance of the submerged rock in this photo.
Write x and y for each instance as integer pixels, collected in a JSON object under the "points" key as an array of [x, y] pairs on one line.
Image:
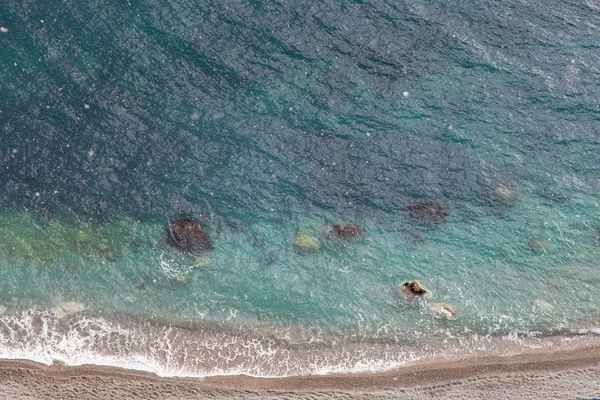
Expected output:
{"points": [[269, 260], [306, 243], [141, 285], [501, 194], [442, 310], [554, 195], [417, 240], [540, 245], [82, 237], [66, 308], [181, 279], [104, 250], [73, 267], [200, 261], [2, 310], [543, 306], [187, 235], [103, 247], [346, 231], [427, 212], [412, 289]]}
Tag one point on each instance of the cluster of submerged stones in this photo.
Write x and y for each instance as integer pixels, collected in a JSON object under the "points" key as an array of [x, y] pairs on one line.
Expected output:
{"points": [[431, 212], [186, 235], [189, 236], [496, 194]]}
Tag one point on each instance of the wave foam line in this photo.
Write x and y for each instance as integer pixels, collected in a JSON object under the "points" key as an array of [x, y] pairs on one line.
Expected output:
{"points": [[173, 351]]}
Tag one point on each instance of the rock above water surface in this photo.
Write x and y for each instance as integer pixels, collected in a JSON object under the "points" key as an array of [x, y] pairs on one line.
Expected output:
{"points": [[187, 235], [412, 289]]}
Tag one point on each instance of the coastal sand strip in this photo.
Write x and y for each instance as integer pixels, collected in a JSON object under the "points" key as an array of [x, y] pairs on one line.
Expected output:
{"points": [[549, 375]]}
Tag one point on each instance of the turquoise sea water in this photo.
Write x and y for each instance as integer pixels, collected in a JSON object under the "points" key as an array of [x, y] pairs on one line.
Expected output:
{"points": [[265, 119]]}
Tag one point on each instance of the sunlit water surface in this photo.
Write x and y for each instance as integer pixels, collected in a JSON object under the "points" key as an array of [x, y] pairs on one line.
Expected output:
{"points": [[266, 119]]}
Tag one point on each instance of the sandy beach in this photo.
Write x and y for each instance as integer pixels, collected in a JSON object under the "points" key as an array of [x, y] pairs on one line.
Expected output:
{"points": [[573, 374]]}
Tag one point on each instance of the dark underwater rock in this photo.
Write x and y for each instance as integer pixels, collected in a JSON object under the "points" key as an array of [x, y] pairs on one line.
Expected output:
{"points": [[417, 240], [346, 231], [268, 260], [187, 235], [73, 267], [427, 212]]}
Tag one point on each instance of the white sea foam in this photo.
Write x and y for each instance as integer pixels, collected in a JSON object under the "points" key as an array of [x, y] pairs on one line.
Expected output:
{"points": [[168, 350]]}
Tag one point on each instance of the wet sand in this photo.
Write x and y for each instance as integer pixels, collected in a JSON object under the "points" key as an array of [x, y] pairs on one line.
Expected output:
{"points": [[573, 374]]}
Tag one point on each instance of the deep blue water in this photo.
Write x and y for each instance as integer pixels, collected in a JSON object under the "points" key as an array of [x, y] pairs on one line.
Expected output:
{"points": [[265, 119]]}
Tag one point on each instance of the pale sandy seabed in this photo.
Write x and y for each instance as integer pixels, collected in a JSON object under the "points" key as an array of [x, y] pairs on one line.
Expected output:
{"points": [[573, 374]]}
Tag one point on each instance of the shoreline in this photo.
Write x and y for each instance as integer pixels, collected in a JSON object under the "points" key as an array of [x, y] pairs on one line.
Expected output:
{"points": [[553, 374]]}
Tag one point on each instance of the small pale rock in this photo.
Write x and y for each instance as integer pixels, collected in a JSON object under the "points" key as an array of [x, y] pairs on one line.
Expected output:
{"points": [[2, 310], [66, 308], [543, 305], [306, 243], [443, 310], [3, 29]]}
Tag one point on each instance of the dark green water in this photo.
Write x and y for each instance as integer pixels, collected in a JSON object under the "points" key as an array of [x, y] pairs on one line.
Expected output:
{"points": [[266, 119]]}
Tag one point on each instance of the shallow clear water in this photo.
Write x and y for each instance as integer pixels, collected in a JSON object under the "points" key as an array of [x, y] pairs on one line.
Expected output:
{"points": [[266, 119]]}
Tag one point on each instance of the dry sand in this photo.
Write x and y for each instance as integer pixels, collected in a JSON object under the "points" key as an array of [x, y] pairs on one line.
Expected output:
{"points": [[571, 374]]}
